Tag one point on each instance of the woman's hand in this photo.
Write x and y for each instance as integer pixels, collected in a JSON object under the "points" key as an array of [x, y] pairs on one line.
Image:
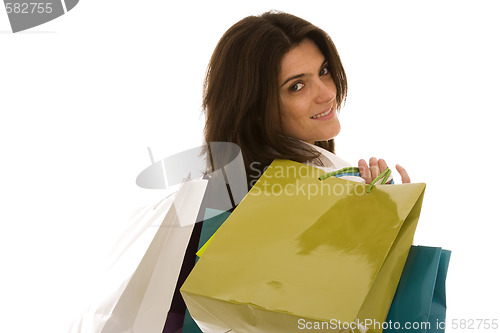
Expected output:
{"points": [[376, 167]]}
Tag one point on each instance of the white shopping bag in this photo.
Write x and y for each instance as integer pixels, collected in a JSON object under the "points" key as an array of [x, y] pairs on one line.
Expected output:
{"points": [[140, 284]]}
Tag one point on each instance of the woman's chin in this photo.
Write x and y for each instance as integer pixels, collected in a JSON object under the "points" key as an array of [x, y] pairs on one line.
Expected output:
{"points": [[333, 134]]}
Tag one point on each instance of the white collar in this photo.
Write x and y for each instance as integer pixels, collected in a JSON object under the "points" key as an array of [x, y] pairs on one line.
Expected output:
{"points": [[329, 160]]}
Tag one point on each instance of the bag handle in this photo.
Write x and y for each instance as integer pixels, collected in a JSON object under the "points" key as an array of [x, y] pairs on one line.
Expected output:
{"points": [[384, 175]]}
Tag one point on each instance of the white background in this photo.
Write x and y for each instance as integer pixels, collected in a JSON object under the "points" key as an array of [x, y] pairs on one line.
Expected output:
{"points": [[83, 96]]}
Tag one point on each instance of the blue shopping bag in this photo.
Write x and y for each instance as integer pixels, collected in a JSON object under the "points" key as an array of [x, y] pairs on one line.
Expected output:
{"points": [[419, 304]]}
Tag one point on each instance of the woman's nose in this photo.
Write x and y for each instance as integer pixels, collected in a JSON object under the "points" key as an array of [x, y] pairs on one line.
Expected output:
{"points": [[326, 92]]}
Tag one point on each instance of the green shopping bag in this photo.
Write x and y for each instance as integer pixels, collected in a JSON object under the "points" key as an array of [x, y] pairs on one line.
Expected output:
{"points": [[299, 252], [420, 301]]}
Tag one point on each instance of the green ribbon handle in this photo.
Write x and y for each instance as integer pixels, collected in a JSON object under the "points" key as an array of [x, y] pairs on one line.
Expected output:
{"points": [[384, 175], [337, 172]]}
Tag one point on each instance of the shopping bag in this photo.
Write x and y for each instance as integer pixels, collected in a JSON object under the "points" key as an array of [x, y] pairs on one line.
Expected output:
{"points": [[212, 221], [419, 304], [139, 285], [302, 253]]}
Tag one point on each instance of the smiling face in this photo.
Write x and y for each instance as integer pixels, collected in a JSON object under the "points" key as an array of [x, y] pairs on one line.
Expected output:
{"points": [[307, 95]]}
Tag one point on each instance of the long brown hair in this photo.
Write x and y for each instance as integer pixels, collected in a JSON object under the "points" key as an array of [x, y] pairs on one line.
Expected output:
{"points": [[240, 95]]}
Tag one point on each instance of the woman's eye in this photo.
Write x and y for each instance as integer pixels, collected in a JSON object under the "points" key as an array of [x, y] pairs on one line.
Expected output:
{"points": [[296, 87], [324, 71]]}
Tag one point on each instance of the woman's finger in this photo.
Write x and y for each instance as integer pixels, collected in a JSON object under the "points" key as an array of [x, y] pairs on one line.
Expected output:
{"points": [[382, 165], [404, 175], [374, 169], [364, 171]]}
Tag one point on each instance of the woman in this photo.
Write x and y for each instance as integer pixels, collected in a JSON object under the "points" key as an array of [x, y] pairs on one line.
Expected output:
{"points": [[274, 86]]}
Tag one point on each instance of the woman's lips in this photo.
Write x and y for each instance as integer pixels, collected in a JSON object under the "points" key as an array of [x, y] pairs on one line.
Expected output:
{"points": [[323, 114]]}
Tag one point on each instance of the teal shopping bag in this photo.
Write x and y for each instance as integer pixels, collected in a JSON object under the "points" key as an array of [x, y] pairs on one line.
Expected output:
{"points": [[213, 219], [419, 304]]}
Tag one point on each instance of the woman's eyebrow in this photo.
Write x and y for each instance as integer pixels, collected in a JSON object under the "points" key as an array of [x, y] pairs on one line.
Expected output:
{"points": [[303, 75], [294, 77]]}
